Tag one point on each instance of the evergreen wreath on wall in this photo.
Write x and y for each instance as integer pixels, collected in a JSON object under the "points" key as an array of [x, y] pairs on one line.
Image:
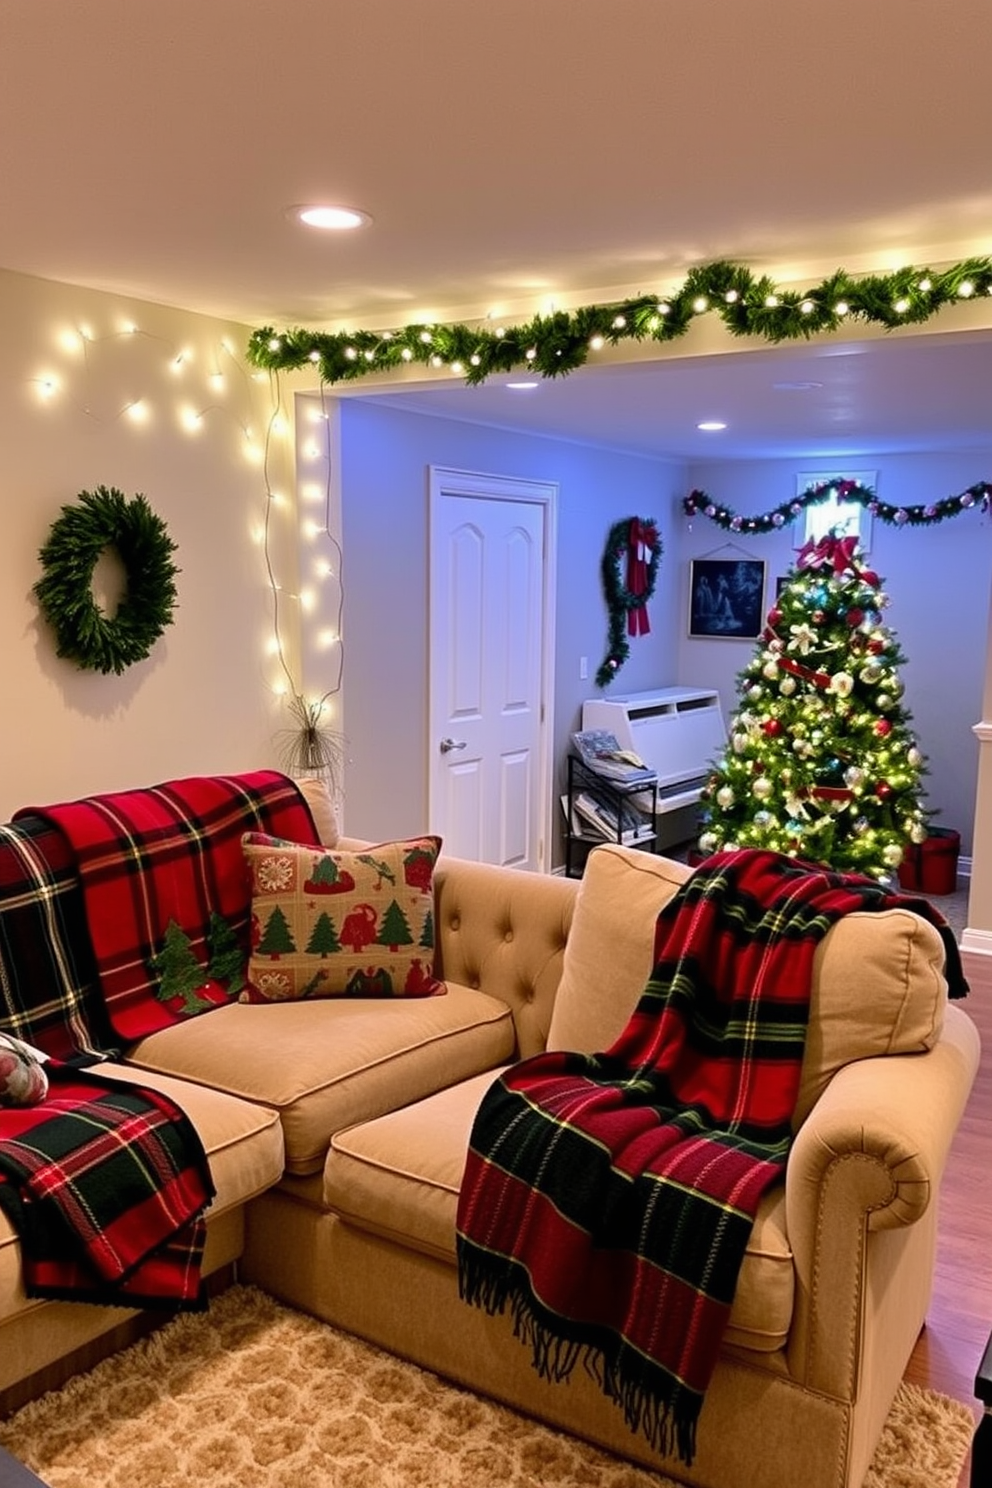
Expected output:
{"points": [[629, 579], [749, 304], [103, 519]]}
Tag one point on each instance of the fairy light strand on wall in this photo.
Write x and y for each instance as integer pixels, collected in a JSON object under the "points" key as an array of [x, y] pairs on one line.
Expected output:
{"points": [[143, 407]]}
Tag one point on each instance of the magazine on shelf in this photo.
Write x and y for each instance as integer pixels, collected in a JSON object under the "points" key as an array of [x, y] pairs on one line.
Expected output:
{"points": [[614, 821], [600, 751]]}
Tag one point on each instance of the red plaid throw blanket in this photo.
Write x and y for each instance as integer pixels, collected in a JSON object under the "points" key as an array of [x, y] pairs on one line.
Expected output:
{"points": [[608, 1198], [106, 1185], [169, 858]]}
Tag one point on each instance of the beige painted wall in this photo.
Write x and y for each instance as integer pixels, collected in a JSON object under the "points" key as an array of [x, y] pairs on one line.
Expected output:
{"points": [[204, 700]]}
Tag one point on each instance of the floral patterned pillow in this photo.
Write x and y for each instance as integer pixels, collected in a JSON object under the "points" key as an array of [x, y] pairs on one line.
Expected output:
{"points": [[23, 1081], [341, 924]]}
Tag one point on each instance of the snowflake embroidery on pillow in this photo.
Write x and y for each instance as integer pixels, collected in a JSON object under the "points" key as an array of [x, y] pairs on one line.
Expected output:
{"points": [[275, 874]]}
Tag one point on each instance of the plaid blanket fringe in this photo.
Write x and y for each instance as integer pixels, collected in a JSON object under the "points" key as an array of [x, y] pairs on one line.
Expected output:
{"points": [[170, 852], [106, 1184], [608, 1199]]}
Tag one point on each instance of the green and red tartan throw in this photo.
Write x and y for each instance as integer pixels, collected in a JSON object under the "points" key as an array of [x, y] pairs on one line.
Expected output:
{"points": [[106, 1185], [607, 1199], [165, 891]]}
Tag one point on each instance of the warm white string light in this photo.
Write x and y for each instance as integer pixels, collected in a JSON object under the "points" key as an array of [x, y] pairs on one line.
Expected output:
{"points": [[81, 342]]}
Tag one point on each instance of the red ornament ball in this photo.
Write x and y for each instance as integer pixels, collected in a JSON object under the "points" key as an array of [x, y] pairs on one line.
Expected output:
{"points": [[855, 617], [883, 790], [774, 615], [818, 617], [772, 727], [876, 647], [883, 728]]}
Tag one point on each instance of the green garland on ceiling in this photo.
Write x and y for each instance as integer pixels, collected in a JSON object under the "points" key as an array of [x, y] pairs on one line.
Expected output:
{"points": [[697, 503], [555, 344]]}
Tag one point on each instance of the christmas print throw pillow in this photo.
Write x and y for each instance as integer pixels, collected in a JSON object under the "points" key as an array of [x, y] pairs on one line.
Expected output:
{"points": [[341, 924]]}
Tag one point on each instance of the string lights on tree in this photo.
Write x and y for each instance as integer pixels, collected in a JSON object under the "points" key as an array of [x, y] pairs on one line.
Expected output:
{"points": [[821, 761]]}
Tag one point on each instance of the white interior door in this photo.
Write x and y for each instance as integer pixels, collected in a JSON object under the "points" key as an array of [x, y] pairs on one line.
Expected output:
{"points": [[490, 666]]}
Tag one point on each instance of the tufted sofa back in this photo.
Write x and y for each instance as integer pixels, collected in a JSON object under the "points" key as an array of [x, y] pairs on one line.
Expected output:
{"points": [[505, 934]]}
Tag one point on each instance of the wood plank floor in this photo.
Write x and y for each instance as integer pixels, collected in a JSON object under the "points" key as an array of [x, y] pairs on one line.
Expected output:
{"points": [[949, 1349]]}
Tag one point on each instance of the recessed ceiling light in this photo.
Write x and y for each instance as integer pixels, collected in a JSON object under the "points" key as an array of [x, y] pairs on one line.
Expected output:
{"points": [[328, 218], [796, 387], [710, 426], [521, 386]]}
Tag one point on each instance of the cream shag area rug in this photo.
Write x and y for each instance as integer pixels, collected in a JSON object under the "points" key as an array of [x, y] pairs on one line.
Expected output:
{"points": [[251, 1392]]}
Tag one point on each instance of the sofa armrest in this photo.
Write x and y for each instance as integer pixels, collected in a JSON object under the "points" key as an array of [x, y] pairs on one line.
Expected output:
{"points": [[868, 1160]]}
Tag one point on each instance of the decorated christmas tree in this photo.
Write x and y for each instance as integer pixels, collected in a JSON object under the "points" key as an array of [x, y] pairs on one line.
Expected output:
{"points": [[821, 763]]}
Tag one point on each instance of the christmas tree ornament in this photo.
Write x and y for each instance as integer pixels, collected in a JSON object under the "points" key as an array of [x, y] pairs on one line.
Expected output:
{"points": [[725, 797], [883, 728], [787, 686], [772, 726], [884, 701], [883, 790], [762, 788], [871, 673], [842, 684]]}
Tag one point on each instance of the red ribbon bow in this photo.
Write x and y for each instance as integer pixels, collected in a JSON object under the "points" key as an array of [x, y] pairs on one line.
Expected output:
{"points": [[836, 551], [639, 539]]}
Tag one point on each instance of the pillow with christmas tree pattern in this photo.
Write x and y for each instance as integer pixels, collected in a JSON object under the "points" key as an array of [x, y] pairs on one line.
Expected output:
{"points": [[326, 923]]}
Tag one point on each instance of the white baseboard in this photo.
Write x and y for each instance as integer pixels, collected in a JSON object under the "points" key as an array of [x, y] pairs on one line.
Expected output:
{"points": [[978, 941]]}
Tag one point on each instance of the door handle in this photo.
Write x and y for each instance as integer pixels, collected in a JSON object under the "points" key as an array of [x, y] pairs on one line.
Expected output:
{"points": [[447, 745]]}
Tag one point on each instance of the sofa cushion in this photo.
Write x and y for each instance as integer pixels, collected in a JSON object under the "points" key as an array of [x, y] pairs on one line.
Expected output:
{"points": [[316, 792], [399, 1177], [334, 923], [323, 1065], [243, 1143], [877, 987], [609, 953]]}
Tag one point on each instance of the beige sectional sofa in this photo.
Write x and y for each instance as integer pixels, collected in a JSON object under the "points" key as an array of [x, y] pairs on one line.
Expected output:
{"points": [[337, 1133]]}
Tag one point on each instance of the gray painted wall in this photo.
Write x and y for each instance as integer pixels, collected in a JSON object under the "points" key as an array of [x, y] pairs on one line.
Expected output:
{"points": [[384, 482]]}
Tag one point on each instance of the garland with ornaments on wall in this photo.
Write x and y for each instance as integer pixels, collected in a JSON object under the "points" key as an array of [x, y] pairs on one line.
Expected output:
{"points": [[554, 344], [697, 503]]}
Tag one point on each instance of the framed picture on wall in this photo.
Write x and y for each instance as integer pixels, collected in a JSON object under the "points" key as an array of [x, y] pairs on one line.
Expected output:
{"points": [[726, 598], [846, 518]]}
